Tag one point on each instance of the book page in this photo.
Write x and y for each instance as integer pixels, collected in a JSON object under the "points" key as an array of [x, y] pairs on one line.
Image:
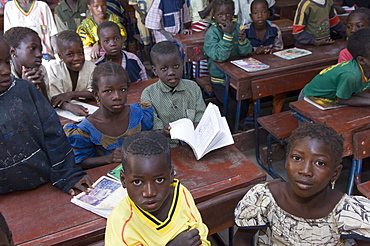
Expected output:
{"points": [[250, 64], [183, 129], [69, 115], [225, 137]]}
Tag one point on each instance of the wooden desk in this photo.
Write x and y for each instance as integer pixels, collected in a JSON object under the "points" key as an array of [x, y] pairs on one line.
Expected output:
{"points": [[300, 69], [353, 123], [45, 216]]}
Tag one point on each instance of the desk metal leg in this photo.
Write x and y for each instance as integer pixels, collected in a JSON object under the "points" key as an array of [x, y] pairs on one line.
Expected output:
{"points": [[226, 94], [231, 235], [355, 174], [237, 116]]}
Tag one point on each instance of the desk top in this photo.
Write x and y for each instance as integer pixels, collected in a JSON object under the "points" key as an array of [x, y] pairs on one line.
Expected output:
{"points": [[322, 56], [45, 216], [345, 120]]}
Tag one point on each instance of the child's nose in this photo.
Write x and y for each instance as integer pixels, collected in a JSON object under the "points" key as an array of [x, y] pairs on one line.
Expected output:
{"points": [[306, 169], [149, 190]]}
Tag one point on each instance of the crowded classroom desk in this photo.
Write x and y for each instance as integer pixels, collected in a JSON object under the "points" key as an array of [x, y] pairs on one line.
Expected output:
{"points": [[45, 216], [281, 70], [353, 123]]}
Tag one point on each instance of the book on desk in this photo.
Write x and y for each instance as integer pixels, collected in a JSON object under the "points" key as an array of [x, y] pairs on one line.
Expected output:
{"points": [[292, 53], [324, 103], [250, 64]]}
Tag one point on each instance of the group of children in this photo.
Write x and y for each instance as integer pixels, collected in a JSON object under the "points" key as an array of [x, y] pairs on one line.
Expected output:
{"points": [[158, 209]]}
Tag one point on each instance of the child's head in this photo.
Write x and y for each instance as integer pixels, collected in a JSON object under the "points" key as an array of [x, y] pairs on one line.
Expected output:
{"points": [[110, 38], [359, 46], [259, 12], [5, 233], [25, 46], [147, 171], [110, 83], [98, 8], [70, 50], [167, 63], [314, 154], [5, 71], [357, 19], [223, 10]]}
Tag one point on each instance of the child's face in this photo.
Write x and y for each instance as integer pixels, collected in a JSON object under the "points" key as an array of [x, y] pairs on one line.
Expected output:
{"points": [[73, 55], [112, 93], [98, 8], [4, 66], [147, 180], [259, 14], [111, 41], [29, 52], [169, 69], [223, 14], [310, 167], [356, 22]]}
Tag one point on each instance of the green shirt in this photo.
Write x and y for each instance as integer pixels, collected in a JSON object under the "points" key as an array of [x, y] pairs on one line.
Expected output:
{"points": [[342, 80], [66, 19], [183, 101]]}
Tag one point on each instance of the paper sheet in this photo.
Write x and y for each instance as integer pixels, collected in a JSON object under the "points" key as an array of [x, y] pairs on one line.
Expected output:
{"points": [[71, 116]]}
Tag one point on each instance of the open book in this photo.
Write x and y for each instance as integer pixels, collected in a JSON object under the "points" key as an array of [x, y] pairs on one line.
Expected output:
{"points": [[211, 133], [250, 64], [105, 195], [323, 103], [292, 53], [71, 116]]}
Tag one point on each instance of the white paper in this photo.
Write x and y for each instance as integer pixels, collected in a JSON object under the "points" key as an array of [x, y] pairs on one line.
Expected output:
{"points": [[71, 116]]}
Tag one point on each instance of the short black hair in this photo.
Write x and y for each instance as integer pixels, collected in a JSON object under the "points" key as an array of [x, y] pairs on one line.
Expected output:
{"points": [[359, 43], [15, 35], [259, 1], [217, 3], [322, 132], [362, 10], [146, 143], [107, 69], [4, 226], [163, 48], [107, 24], [89, 1], [66, 37]]}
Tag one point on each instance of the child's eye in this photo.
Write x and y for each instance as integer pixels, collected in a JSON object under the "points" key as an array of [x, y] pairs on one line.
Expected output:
{"points": [[163, 69], [359, 26], [123, 89], [69, 54], [107, 91], [320, 163], [228, 15], [296, 157], [32, 48], [136, 182], [106, 41], [116, 38], [220, 15], [176, 66], [159, 180]]}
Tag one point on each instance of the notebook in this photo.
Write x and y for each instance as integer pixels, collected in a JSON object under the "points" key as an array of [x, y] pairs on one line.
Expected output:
{"points": [[250, 64]]}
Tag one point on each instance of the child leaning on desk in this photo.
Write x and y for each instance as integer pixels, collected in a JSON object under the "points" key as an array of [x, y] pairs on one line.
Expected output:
{"points": [[172, 97], [305, 210], [158, 210], [313, 22], [70, 77], [347, 81], [97, 140], [34, 149], [224, 39]]}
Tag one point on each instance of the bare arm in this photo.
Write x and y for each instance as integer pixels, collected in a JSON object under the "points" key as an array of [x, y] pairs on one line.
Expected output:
{"points": [[114, 157], [243, 237], [361, 99]]}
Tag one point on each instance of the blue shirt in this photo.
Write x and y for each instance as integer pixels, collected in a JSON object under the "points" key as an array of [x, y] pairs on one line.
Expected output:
{"points": [[272, 39]]}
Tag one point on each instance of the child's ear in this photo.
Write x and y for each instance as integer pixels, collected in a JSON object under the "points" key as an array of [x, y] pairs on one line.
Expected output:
{"points": [[360, 60], [13, 51], [336, 172], [172, 174], [123, 178], [154, 70]]}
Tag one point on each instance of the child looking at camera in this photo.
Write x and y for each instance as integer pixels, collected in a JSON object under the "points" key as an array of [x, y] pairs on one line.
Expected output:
{"points": [[69, 77], [97, 140], [312, 212], [111, 41], [172, 98], [158, 210]]}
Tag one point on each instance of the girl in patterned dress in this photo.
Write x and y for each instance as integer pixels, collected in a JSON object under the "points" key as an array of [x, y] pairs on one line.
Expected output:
{"points": [[305, 210]]}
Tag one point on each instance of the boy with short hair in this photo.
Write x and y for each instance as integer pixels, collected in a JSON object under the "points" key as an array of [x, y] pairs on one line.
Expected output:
{"points": [[347, 81], [158, 210], [172, 98]]}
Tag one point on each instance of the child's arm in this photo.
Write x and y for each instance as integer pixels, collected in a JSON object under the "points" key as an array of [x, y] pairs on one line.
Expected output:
{"points": [[83, 185], [114, 157], [35, 76], [59, 100], [141, 13], [186, 238], [205, 12], [361, 99], [278, 43], [244, 237], [244, 47]]}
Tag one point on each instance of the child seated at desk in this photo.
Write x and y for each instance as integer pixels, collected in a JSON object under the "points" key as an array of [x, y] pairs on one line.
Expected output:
{"points": [[111, 41], [34, 149], [26, 52], [313, 22], [224, 40], [97, 140], [347, 81], [243, 10], [357, 19], [158, 210], [305, 210], [69, 77], [172, 98], [88, 30]]}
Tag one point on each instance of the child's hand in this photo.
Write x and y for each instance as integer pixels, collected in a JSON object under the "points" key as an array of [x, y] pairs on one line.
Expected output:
{"points": [[58, 100], [115, 156], [83, 185], [228, 27], [323, 41], [166, 131], [142, 17], [187, 31], [186, 238], [242, 35], [35, 76], [262, 50], [78, 110], [95, 52]]}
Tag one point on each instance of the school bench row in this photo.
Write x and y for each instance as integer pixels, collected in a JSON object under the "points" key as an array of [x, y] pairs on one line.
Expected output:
{"points": [[45, 216]]}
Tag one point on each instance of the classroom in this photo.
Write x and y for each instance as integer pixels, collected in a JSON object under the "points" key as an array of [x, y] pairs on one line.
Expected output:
{"points": [[184, 122]]}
